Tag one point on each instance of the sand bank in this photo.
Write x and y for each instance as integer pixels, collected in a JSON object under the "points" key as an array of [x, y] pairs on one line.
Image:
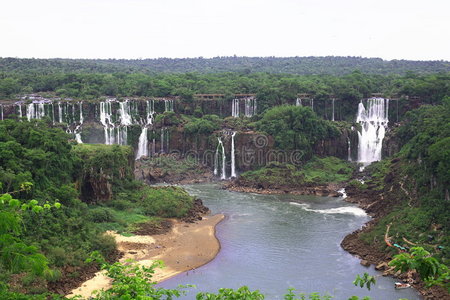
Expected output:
{"points": [[186, 246]]}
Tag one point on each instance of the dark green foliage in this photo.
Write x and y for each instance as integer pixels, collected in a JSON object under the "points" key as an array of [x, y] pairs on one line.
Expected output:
{"points": [[428, 267], [31, 151], [165, 201], [105, 162], [205, 125], [295, 128], [336, 65], [315, 172]]}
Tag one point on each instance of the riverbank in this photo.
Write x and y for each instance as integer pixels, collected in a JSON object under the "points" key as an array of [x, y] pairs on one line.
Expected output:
{"points": [[186, 247], [377, 205]]}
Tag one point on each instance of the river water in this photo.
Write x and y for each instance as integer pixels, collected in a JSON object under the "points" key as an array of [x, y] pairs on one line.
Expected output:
{"points": [[274, 242]]}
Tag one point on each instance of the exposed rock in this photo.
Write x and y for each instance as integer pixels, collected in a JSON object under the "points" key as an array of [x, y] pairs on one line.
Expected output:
{"points": [[364, 263]]}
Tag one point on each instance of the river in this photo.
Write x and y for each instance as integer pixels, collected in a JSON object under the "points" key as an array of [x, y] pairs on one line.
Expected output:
{"points": [[274, 242]]}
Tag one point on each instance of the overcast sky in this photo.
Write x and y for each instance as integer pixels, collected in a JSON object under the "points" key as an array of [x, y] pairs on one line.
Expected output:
{"points": [[390, 29]]}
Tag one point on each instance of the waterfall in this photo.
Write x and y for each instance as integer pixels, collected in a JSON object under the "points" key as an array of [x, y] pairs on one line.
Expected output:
{"points": [[60, 113], [332, 103], [143, 138], [235, 108], [143, 144], [53, 113], [224, 175], [312, 104], [168, 105], [1, 111], [105, 119], [77, 130], [35, 110], [30, 111], [349, 150], [81, 113], [298, 102], [233, 163], [374, 121], [150, 109], [20, 111], [250, 107], [219, 148], [125, 116]]}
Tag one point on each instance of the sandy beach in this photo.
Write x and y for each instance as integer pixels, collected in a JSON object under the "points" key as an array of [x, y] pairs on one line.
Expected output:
{"points": [[185, 247]]}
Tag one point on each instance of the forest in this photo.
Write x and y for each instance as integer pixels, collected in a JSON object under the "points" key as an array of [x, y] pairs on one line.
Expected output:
{"points": [[58, 196], [329, 65]]}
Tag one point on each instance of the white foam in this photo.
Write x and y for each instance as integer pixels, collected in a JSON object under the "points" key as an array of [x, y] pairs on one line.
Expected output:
{"points": [[342, 210], [344, 194], [349, 210]]}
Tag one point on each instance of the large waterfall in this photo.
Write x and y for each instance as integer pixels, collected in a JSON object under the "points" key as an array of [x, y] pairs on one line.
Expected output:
{"points": [[374, 121], [298, 102], [220, 150], [233, 156], [106, 120]]}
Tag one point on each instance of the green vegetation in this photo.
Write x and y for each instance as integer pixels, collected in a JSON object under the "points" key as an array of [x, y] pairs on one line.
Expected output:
{"points": [[204, 125], [40, 167], [295, 128], [317, 171], [335, 65], [415, 185]]}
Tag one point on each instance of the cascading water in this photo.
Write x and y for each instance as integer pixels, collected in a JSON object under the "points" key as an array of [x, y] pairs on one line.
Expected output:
{"points": [[168, 105], [235, 108], [143, 144], [374, 121], [298, 102], [349, 150], [143, 138], [233, 158], [20, 111], [250, 107], [1, 111], [60, 113], [312, 104], [106, 120], [220, 150], [35, 110], [165, 140], [77, 130]]}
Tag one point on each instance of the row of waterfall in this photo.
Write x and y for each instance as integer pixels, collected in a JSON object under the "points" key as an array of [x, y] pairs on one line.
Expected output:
{"points": [[115, 116], [374, 121], [220, 159], [250, 107]]}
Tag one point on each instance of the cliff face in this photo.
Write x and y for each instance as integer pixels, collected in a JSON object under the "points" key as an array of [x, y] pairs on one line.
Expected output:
{"points": [[103, 170], [110, 121]]}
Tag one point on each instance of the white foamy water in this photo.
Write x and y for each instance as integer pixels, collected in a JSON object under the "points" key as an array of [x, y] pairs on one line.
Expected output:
{"points": [[374, 121], [350, 210]]}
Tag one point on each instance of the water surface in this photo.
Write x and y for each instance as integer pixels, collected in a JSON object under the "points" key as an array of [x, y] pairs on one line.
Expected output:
{"points": [[274, 242]]}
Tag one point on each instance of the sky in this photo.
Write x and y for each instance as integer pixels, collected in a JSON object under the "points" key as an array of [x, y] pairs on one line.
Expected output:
{"points": [[390, 29]]}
